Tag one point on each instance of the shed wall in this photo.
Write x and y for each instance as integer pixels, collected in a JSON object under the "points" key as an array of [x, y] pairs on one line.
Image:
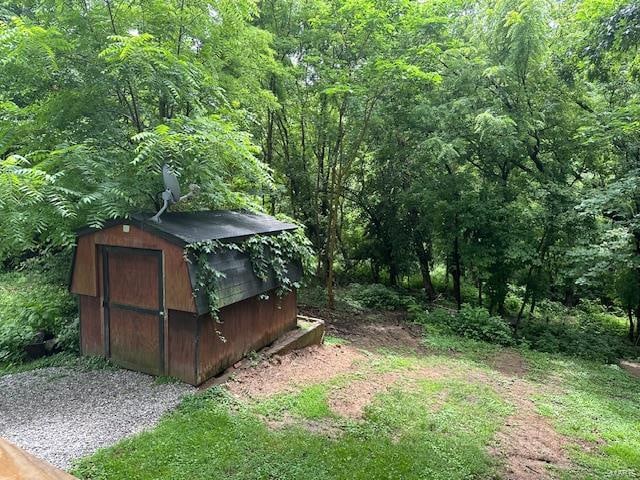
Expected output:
{"points": [[182, 345], [85, 280], [247, 326], [91, 325]]}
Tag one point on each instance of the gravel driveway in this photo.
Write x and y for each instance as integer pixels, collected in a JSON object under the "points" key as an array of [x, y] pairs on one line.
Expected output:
{"points": [[60, 414]]}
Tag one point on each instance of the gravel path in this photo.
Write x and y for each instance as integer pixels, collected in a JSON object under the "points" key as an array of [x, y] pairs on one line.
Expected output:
{"points": [[60, 414]]}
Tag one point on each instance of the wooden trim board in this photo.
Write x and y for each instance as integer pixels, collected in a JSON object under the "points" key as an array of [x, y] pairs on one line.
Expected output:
{"points": [[16, 464]]}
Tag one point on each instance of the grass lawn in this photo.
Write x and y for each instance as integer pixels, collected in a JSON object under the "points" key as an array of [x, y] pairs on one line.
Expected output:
{"points": [[445, 412], [401, 436], [600, 409]]}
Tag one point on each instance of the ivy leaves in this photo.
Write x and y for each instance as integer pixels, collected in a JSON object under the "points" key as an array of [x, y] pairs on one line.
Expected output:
{"points": [[274, 254], [270, 255]]}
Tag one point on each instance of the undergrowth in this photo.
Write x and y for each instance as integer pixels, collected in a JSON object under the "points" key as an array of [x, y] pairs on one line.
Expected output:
{"points": [[585, 332], [31, 304]]}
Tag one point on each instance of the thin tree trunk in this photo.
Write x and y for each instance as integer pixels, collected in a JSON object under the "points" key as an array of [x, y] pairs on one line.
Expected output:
{"points": [[331, 240], [521, 311], [447, 271], [457, 273], [631, 325], [542, 251], [569, 297], [533, 306]]}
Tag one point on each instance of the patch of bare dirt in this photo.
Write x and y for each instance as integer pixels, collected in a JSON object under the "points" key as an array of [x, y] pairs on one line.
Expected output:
{"points": [[510, 363], [351, 401], [632, 367], [527, 443], [281, 374], [371, 330], [322, 427]]}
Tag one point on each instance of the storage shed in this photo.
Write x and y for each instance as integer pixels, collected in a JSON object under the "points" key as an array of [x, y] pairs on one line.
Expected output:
{"points": [[140, 305]]}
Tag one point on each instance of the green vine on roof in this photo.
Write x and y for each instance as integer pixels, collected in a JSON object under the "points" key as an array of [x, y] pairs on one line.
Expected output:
{"points": [[269, 255], [273, 254]]}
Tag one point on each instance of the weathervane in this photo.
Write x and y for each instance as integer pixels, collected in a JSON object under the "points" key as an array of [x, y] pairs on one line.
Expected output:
{"points": [[171, 192]]}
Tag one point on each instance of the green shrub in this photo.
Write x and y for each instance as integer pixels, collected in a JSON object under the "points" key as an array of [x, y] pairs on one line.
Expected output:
{"points": [[479, 324], [313, 295], [29, 305], [512, 304], [373, 296], [590, 332], [471, 322], [587, 332]]}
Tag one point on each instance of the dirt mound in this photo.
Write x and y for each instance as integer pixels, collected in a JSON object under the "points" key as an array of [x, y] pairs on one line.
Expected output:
{"points": [[351, 400], [527, 444], [371, 331]]}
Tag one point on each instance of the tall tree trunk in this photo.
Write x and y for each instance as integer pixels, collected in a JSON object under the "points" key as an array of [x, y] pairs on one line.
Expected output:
{"points": [[375, 271], [569, 297], [331, 240], [631, 325], [447, 271], [501, 308], [424, 259], [521, 311], [457, 272], [393, 273], [533, 306], [542, 251]]}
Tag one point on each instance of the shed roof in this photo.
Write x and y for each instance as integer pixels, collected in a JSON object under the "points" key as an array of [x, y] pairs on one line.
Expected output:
{"points": [[238, 280], [184, 228]]}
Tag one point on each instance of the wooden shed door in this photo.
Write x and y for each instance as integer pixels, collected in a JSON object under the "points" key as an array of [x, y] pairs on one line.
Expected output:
{"points": [[134, 308]]}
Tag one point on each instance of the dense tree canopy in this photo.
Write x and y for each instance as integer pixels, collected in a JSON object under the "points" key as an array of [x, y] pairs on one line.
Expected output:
{"points": [[498, 139]]}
